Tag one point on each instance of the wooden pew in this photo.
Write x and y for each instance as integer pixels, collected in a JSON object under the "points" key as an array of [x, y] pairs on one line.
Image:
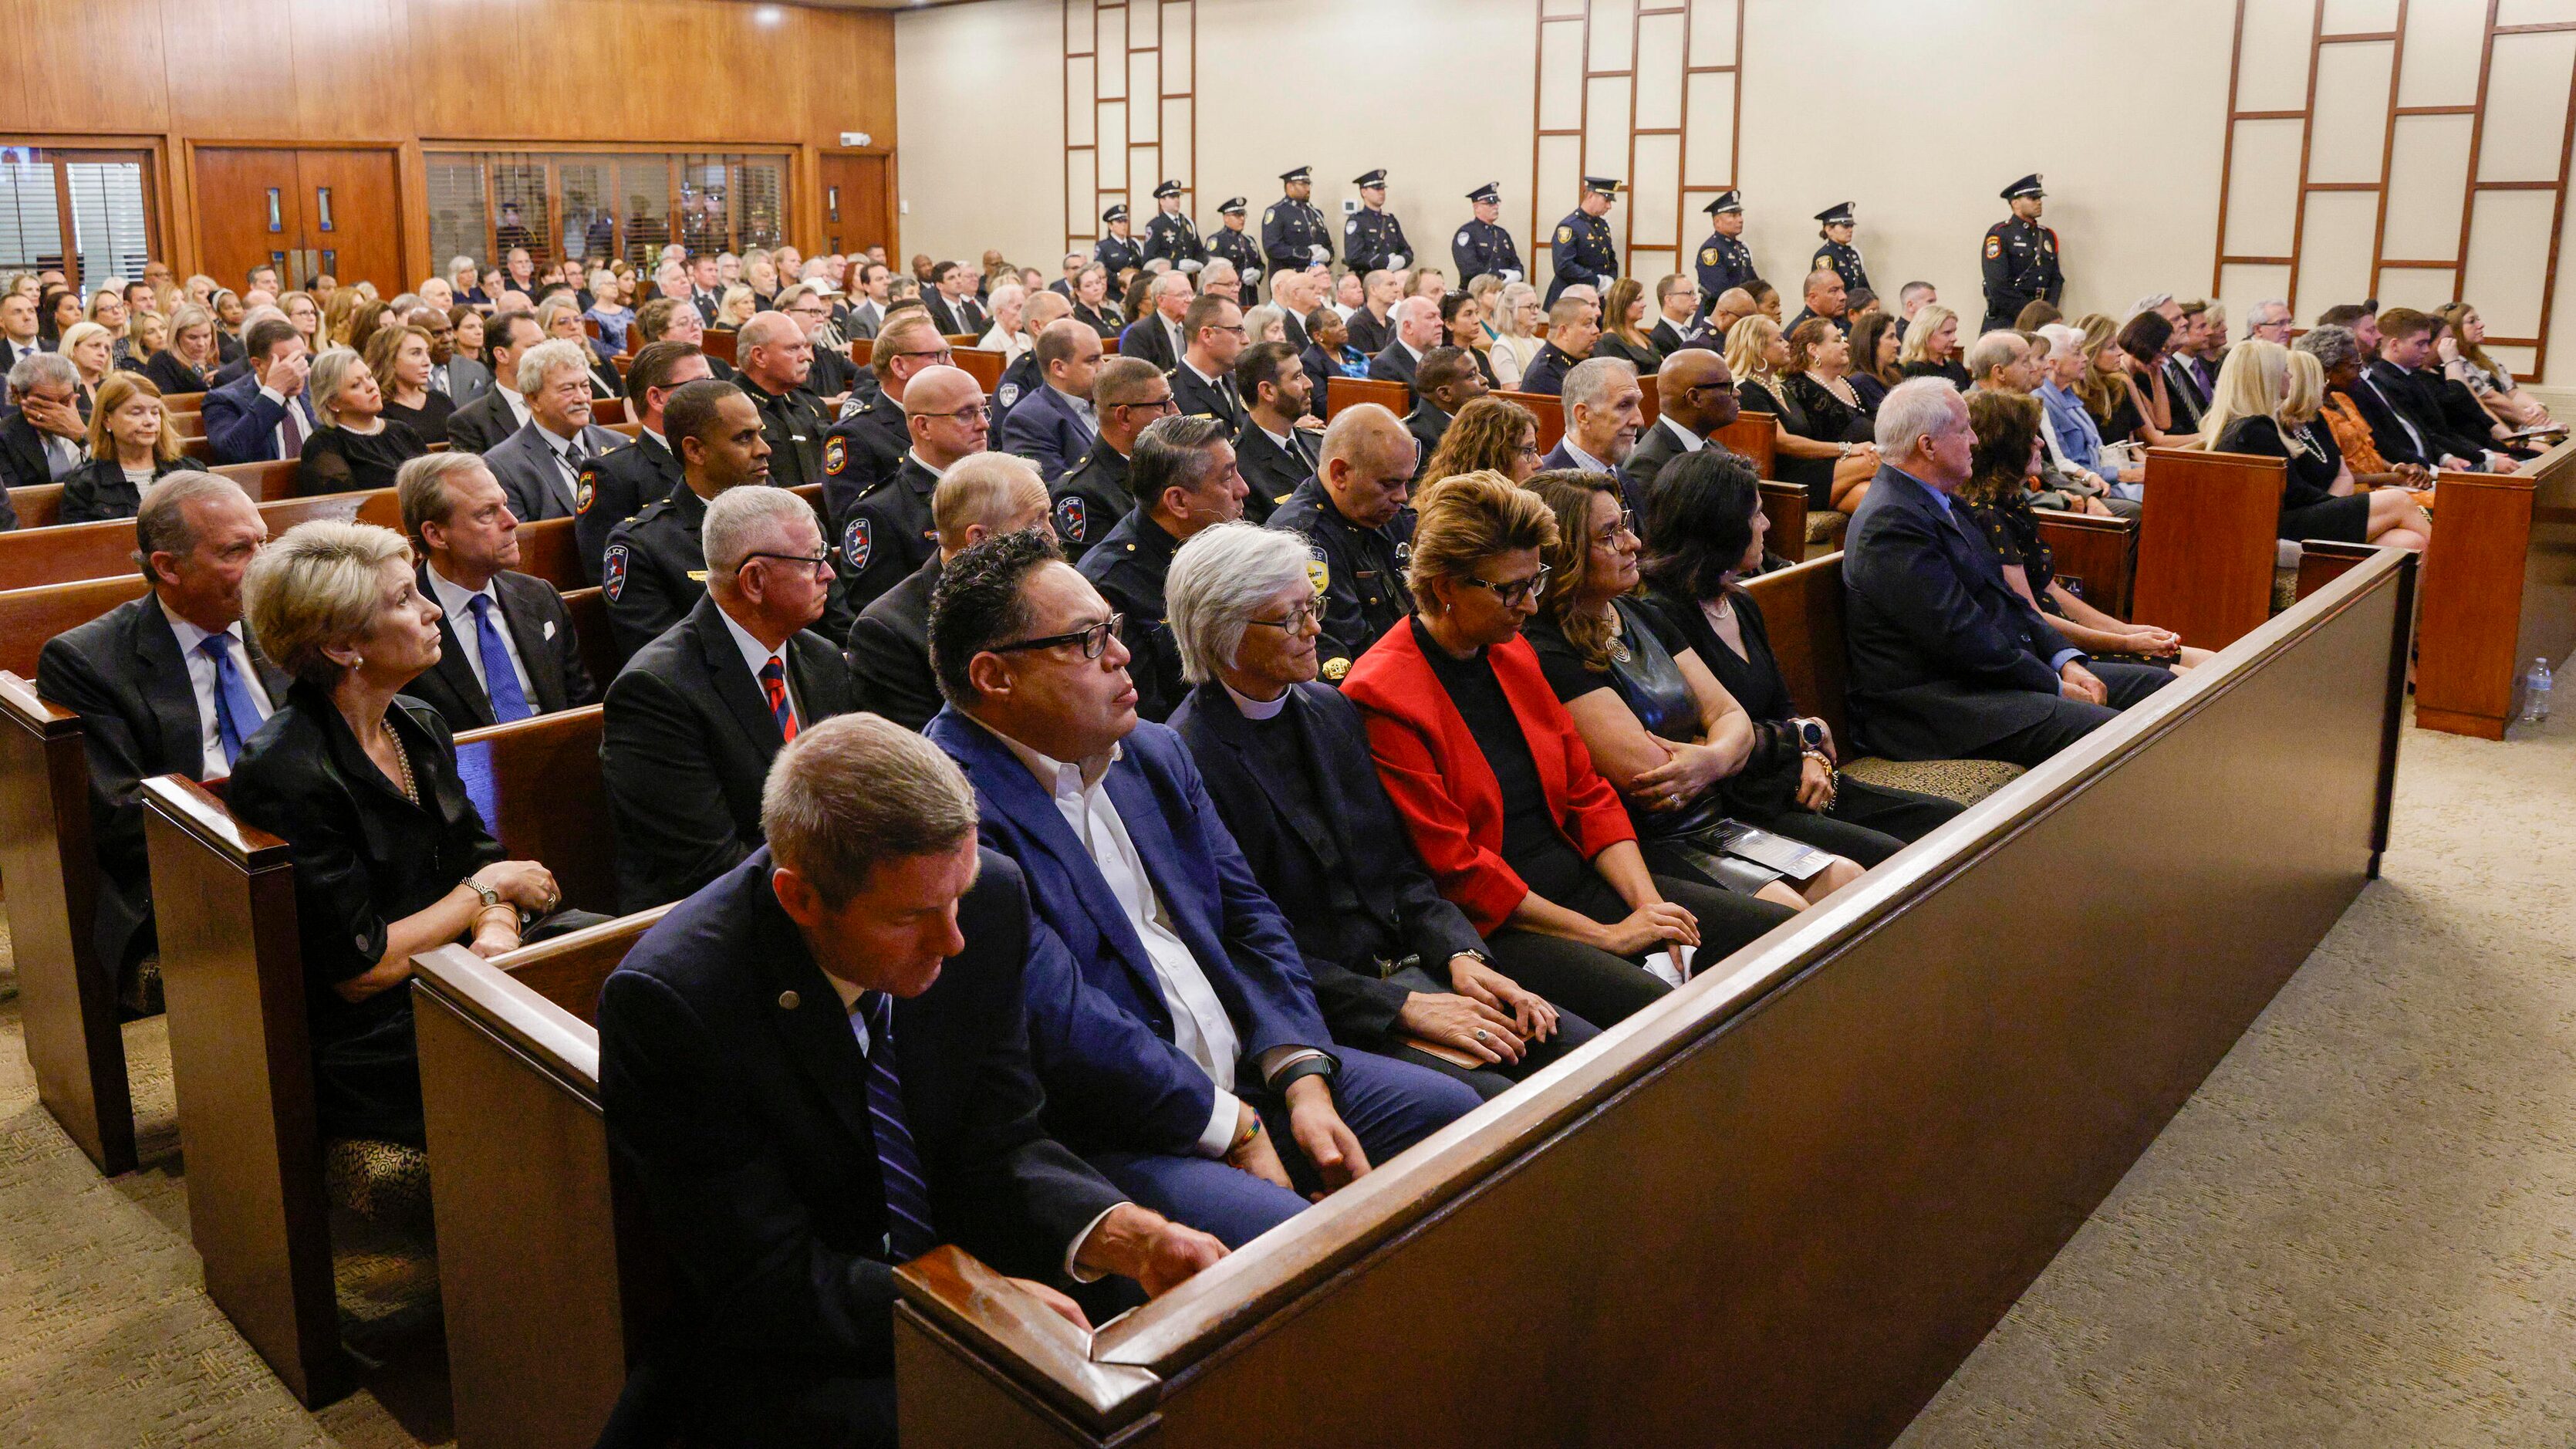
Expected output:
{"points": [[69, 552], [2499, 591], [1109, 346], [268, 482], [960, 341], [1341, 392], [985, 367], [2096, 556], [607, 411], [2207, 544], [240, 1052], [30, 616], [1827, 1168], [38, 505], [718, 344]]}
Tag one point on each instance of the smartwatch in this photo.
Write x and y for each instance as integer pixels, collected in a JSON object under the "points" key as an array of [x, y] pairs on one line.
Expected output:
{"points": [[1811, 734]]}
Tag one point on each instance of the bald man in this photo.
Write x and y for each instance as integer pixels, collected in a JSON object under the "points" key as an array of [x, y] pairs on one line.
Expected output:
{"points": [[1694, 399], [775, 357], [890, 530], [1023, 377], [1732, 306], [1358, 531], [983, 496], [1053, 423]]}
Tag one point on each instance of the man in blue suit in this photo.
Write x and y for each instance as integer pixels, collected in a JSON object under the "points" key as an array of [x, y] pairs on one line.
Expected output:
{"points": [[1947, 662], [817, 1067], [1055, 425], [263, 415], [1170, 1012]]}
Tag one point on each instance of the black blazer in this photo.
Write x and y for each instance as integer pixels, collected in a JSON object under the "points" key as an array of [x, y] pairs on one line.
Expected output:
{"points": [[1393, 364], [889, 651], [22, 458], [1200, 398], [1359, 837], [956, 319], [100, 490], [483, 424], [686, 740], [542, 628], [122, 673], [735, 1096], [1148, 338], [1656, 446], [171, 375], [1945, 657], [1272, 472]]}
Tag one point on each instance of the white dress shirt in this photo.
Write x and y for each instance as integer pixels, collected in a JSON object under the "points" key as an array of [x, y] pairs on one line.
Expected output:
{"points": [[458, 601], [201, 681], [517, 404], [1691, 442], [756, 657], [567, 472], [1200, 1026]]}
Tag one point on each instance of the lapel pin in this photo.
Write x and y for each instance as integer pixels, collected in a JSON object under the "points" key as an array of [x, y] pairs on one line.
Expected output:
{"points": [[789, 1001]]}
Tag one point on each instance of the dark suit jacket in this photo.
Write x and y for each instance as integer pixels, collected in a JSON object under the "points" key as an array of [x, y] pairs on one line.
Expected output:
{"points": [[542, 628], [123, 675], [889, 651], [1148, 338], [171, 375], [686, 740], [467, 382], [1393, 364], [483, 424], [1098, 1024], [1272, 472], [241, 425], [1211, 398], [22, 459], [1405, 913], [1945, 657], [1656, 446], [1428, 425], [745, 1123], [1044, 428], [958, 318]]}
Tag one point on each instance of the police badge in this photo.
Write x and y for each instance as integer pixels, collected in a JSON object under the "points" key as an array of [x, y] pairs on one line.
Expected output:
{"points": [[1069, 518], [858, 543], [612, 572], [583, 491], [1319, 567]]}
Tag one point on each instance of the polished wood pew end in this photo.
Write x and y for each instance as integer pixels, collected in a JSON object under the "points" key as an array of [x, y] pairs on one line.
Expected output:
{"points": [[2499, 591], [985, 367], [606, 411], [2207, 543], [1342, 392], [718, 344], [2097, 557], [70, 552]]}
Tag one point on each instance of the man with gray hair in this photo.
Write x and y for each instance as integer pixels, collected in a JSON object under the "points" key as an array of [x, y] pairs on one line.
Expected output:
{"points": [[1947, 660], [170, 683], [1416, 331], [1605, 408], [1358, 532], [693, 720], [889, 647], [865, 967], [2269, 320], [539, 466], [1185, 479], [44, 440], [1159, 337], [507, 645]]}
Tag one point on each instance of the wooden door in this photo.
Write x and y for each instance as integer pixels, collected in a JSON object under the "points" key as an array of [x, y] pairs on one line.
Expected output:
{"points": [[247, 212], [857, 202], [351, 217]]}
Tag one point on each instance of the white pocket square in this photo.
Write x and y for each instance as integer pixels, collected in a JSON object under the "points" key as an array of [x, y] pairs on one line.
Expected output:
{"points": [[550, 628]]}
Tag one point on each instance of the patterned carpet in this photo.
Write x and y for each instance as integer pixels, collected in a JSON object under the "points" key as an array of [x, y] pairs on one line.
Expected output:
{"points": [[2362, 1230]]}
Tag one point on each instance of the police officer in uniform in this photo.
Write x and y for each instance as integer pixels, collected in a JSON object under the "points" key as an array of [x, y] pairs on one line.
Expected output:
{"points": [[1169, 237], [1373, 240], [1089, 500], [1116, 251], [1583, 250], [1724, 260], [861, 451], [1838, 254], [887, 535], [653, 569], [2020, 258], [1236, 245], [616, 486], [1294, 234], [1482, 246], [1359, 570], [793, 423]]}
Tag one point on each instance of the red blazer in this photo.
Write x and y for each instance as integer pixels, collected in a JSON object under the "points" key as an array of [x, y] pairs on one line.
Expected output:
{"points": [[1443, 786]]}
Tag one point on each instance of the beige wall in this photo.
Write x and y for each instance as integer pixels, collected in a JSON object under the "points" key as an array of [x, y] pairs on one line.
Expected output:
{"points": [[1917, 110]]}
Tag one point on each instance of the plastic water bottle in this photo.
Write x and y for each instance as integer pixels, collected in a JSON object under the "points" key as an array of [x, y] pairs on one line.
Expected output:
{"points": [[2535, 693]]}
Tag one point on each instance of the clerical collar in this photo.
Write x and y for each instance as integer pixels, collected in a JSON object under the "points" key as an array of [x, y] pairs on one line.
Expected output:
{"points": [[1256, 708]]}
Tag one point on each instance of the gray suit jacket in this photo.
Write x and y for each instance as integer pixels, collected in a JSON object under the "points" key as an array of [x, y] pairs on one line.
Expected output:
{"points": [[467, 381], [524, 465]]}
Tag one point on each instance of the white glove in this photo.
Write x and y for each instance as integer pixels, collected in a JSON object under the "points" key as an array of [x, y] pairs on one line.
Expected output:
{"points": [[1395, 261], [1320, 253], [1510, 276], [1189, 266], [1158, 265]]}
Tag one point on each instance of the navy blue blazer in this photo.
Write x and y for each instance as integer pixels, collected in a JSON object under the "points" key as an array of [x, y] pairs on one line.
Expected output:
{"points": [[1045, 429], [735, 1093], [241, 426], [1098, 1024], [1945, 657]]}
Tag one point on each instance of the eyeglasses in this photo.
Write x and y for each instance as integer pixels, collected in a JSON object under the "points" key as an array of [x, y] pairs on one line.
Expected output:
{"points": [[1093, 638], [1305, 616], [1624, 526], [972, 410], [813, 563], [1164, 404], [1515, 592], [1529, 450], [943, 354]]}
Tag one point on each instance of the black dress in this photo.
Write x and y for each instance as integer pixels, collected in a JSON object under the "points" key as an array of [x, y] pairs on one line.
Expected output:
{"points": [[1816, 475], [1646, 359], [1866, 823], [2309, 508], [429, 419], [1829, 419], [100, 489], [173, 376], [1953, 372], [339, 461]]}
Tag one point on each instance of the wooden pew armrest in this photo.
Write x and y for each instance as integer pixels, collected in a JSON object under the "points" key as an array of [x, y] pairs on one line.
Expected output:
{"points": [[195, 809], [953, 1292], [485, 992]]}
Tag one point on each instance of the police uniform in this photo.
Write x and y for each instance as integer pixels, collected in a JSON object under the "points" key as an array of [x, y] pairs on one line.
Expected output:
{"points": [[653, 570], [1373, 240], [1117, 253], [1359, 571], [1129, 567], [1582, 250], [2020, 262], [1840, 258], [613, 488], [1237, 246], [1201, 397], [1089, 500], [889, 533], [1483, 246], [1724, 261], [1170, 237], [792, 422], [861, 451], [1294, 234], [1019, 380]]}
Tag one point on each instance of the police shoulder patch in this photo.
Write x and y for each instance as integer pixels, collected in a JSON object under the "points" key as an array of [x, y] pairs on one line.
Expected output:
{"points": [[1069, 519], [1994, 246], [1354, 227], [858, 542], [1319, 567], [1708, 256], [612, 572], [836, 456], [584, 490], [1269, 216], [1565, 234], [1009, 394]]}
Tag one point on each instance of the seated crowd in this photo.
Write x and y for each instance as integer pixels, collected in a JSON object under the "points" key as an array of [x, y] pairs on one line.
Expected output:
{"points": [[1192, 802]]}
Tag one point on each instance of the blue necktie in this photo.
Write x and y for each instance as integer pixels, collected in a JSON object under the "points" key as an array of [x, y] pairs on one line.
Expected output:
{"points": [[907, 1197], [500, 681], [234, 704]]}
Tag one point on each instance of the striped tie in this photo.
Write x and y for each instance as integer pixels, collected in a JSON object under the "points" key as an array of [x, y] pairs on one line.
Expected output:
{"points": [[773, 683], [907, 1197]]}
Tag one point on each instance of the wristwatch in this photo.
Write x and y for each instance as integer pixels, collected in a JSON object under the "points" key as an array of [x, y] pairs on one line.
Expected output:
{"points": [[490, 896], [1811, 735]]}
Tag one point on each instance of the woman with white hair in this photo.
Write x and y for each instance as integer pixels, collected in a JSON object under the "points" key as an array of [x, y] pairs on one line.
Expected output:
{"points": [[560, 317], [1516, 344], [2257, 409], [1265, 323], [1009, 304], [1398, 969], [355, 448], [391, 858], [609, 307]]}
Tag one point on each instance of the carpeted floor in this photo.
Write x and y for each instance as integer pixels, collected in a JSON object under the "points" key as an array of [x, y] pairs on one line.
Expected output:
{"points": [[2362, 1230]]}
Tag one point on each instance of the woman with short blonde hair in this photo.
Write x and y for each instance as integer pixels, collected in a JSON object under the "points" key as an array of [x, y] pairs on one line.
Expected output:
{"points": [[355, 448], [1932, 347], [91, 350], [734, 309]]}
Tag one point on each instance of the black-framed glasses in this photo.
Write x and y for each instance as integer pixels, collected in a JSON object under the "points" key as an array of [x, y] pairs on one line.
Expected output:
{"points": [[1094, 639], [1625, 525], [1164, 404], [814, 563], [1514, 592], [1308, 615], [944, 354]]}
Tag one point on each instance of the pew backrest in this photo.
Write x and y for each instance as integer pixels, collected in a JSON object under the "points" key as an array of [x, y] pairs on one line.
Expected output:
{"points": [[536, 782], [31, 616], [1757, 437], [1802, 610], [1342, 392], [2096, 557], [69, 552], [2207, 543], [718, 344], [38, 505], [985, 367]]}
